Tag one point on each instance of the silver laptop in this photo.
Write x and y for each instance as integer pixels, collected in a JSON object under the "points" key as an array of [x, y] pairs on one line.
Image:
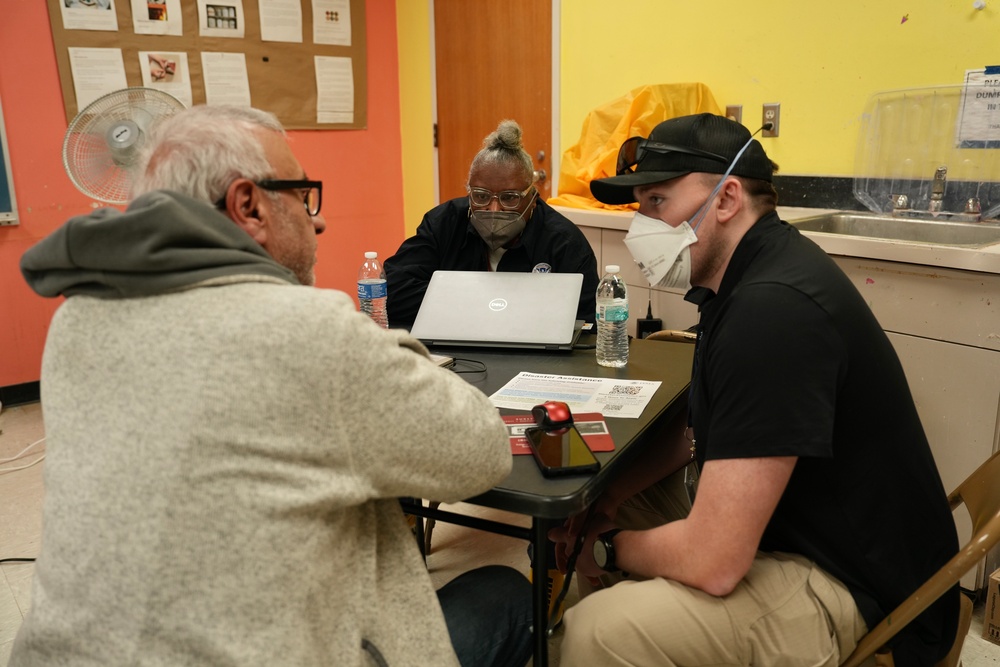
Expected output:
{"points": [[500, 309]]}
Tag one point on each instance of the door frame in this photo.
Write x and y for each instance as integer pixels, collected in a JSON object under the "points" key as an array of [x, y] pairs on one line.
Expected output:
{"points": [[555, 148]]}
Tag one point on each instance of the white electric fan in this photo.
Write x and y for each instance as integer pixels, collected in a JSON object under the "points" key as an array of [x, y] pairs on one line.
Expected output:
{"points": [[103, 142]]}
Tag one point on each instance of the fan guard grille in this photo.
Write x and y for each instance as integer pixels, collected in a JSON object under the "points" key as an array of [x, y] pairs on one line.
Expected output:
{"points": [[104, 140]]}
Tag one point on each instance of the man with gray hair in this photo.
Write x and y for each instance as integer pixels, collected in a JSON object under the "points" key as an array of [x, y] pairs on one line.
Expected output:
{"points": [[218, 489], [501, 226]]}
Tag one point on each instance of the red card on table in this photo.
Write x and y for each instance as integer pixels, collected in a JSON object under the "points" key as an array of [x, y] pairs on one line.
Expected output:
{"points": [[591, 425]]}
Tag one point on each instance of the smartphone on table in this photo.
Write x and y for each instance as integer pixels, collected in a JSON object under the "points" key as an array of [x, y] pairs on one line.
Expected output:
{"points": [[561, 451]]}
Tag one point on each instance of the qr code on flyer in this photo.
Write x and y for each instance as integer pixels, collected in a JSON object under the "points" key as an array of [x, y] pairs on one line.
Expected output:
{"points": [[624, 390]]}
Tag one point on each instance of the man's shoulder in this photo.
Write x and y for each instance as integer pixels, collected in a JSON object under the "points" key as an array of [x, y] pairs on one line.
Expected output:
{"points": [[301, 301]]}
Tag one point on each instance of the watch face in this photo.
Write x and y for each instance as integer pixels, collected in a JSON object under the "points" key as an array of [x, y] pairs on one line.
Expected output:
{"points": [[601, 553]]}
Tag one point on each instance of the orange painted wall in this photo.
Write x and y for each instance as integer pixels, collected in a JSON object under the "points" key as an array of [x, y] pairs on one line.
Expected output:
{"points": [[361, 173]]}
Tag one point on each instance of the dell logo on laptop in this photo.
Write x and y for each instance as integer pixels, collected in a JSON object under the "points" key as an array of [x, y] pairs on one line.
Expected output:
{"points": [[498, 304]]}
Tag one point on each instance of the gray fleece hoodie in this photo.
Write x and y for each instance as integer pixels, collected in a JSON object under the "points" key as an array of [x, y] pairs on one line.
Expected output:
{"points": [[225, 450], [163, 242]]}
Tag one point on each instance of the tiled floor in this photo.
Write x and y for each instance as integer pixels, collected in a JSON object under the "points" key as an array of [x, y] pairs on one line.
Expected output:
{"points": [[455, 549]]}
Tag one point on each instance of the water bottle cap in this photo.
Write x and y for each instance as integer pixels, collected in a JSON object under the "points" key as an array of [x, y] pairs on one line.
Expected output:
{"points": [[371, 255], [612, 268]]}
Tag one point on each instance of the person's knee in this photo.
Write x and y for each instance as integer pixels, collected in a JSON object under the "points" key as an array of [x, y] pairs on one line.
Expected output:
{"points": [[501, 579], [508, 587], [488, 613], [589, 630], [493, 587]]}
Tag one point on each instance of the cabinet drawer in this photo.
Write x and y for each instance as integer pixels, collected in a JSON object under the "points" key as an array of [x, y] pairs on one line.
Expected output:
{"points": [[943, 304]]}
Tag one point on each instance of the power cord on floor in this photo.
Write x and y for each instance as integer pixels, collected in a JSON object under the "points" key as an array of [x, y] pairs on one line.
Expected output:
{"points": [[20, 454]]}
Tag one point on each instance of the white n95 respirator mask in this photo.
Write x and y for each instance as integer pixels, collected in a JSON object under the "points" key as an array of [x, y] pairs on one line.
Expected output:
{"points": [[662, 252]]}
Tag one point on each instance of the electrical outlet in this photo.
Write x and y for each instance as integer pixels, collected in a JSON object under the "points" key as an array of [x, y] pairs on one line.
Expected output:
{"points": [[734, 112], [772, 114]]}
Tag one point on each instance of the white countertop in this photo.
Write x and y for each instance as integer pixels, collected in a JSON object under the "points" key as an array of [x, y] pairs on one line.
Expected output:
{"points": [[986, 259]]}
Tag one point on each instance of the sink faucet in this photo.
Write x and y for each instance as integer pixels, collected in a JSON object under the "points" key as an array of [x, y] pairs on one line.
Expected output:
{"points": [[901, 203], [937, 190]]}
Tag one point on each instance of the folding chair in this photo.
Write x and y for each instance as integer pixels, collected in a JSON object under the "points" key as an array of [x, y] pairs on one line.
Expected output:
{"points": [[677, 335], [980, 494]]}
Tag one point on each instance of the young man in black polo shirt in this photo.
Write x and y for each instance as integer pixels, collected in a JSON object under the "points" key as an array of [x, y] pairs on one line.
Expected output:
{"points": [[819, 507]]}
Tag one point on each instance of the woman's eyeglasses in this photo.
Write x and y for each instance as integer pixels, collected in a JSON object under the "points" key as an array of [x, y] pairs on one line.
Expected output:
{"points": [[509, 199]]}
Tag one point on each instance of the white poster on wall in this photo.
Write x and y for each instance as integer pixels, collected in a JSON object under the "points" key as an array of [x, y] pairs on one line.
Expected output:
{"points": [[334, 89], [89, 14], [167, 71], [96, 72], [280, 20], [332, 22], [221, 18], [979, 117], [226, 80], [160, 17]]}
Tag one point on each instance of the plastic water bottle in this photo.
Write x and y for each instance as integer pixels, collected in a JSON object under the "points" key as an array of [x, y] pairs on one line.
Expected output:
{"points": [[612, 319], [372, 290]]}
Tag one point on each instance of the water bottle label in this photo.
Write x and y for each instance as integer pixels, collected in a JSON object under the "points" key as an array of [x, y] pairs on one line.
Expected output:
{"points": [[612, 313], [373, 290]]}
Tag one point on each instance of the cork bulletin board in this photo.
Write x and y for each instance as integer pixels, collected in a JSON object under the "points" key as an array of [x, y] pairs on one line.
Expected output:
{"points": [[282, 75]]}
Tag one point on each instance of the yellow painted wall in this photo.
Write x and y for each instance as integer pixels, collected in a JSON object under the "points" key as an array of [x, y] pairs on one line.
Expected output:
{"points": [[413, 22], [820, 60]]}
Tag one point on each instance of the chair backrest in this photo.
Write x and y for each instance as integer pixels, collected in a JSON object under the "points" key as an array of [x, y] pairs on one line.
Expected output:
{"points": [[674, 335], [980, 494]]}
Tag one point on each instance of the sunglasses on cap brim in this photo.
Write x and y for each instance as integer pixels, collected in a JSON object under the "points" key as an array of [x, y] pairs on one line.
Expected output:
{"points": [[634, 150]]}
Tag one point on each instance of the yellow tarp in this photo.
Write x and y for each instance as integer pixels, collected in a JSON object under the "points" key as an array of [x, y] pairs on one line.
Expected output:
{"points": [[607, 126]]}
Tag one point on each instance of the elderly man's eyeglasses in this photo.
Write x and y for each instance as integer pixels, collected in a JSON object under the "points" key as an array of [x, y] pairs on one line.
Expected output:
{"points": [[509, 199], [634, 150], [313, 191]]}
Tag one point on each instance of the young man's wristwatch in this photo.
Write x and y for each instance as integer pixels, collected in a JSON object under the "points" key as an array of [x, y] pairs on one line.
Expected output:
{"points": [[604, 550]]}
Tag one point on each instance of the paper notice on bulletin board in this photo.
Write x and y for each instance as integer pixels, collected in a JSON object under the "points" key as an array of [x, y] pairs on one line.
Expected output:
{"points": [[226, 79], [96, 72], [275, 70], [979, 117], [221, 18], [167, 71], [89, 15], [332, 22], [335, 90], [280, 21], [157, 18]]}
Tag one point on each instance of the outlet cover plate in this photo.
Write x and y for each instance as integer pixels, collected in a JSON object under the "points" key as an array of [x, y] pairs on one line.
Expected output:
{"points": [[772, 114]]}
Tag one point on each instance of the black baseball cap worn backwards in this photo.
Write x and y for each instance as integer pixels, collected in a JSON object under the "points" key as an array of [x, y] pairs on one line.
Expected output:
{"points": [[704, 143]]}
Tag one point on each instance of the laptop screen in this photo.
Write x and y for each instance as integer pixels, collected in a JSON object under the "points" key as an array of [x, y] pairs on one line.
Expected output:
{"points": [[505, 309]]}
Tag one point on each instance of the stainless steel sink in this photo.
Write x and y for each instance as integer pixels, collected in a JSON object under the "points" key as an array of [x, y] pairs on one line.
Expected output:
{"points": [[910, 230]]}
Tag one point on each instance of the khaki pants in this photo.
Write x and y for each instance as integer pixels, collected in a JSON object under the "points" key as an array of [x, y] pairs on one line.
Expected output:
{"points": [[785, 612]]}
